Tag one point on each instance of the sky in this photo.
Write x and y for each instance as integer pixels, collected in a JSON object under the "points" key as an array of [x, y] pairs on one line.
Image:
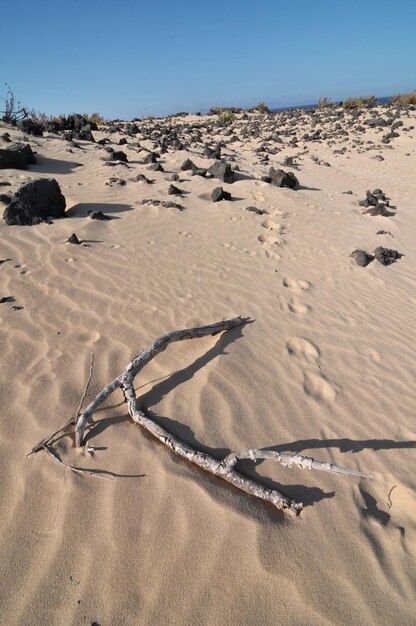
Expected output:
{"points": [[134, 58]]}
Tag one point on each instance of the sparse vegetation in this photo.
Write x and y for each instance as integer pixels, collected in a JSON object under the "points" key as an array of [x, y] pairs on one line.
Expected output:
{"points": [[13, 110], [404, 98], [226, 116], [324, 103], [360, 102], [262, 108]]}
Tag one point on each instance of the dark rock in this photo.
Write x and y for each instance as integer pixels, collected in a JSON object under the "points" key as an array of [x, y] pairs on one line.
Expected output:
{"points": [[222, 171], [174, 191], [288, 161], [384, 232], [117, 155], [156, 167], [150, 158], [4, 183], [219, 194], [212, 153], [34, 202], [114, 181], [386, 256], [361, 257], [99, 215], [16, 307], [188, 165], [174, 177], [254, 209], [5, 299], [279, 178], [73, 239], [17, 156], [5, 198], [122, 141], [141, 178], [200, 171], [167, 204]]}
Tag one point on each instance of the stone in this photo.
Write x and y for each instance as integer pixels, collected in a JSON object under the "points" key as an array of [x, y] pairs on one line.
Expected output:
{"points": [[254, 209], [156, 167], [386, 256], [188, 165], [73, 239], [117, 155], [17, 156], [174, 191], [174, 177], [280, 178], [141, 178], [362, 258], [222, 171], [34, 202], [200, 171], [99, 215], [219, 194], [212, 153]]}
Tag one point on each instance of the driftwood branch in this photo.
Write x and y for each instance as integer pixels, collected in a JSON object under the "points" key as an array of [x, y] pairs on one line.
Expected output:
{"points": [[222, 468]]}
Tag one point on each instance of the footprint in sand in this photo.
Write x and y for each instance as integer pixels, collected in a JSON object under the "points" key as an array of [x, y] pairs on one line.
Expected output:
{"points": [[269, 225], [297, 307], [318, 388], [315, 384], [303, 349], [296, 284]]}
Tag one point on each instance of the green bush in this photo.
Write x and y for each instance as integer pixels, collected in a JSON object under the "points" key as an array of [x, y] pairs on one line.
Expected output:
{"points": [[225, 116]]}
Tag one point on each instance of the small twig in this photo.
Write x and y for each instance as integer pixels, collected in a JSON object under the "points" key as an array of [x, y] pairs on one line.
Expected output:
{"points": [[43, 444], [77, 470], [389, 502], [86, 386]]}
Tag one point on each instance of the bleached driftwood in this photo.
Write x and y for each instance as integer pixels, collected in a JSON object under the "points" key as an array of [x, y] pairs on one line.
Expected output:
{"points": [[224, 468]]}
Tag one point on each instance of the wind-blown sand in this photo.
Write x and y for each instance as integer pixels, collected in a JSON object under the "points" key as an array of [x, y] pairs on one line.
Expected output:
{"points": [[327, 369]]}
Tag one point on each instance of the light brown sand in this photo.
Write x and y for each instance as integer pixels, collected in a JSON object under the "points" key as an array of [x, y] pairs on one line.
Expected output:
{"points": [[328, 369]]}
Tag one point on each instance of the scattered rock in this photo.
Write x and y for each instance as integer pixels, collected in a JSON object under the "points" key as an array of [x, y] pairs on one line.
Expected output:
{"points": [[280, 178], [386, 256], [174, 177], [254, 209], [99, 215], [219, 194], [117, 155], [34, 202], [222, 171], [362, 258], [5, 198], [141, 178], [114, 182], [174, 191], [188, 165], [167, 204], [384, 232], [17, 156], [73, 239], [156, 167], [5, 299]]}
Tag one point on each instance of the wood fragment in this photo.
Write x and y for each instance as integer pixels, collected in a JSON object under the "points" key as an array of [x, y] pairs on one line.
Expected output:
{"points": [[222, 468], [389, 502]]}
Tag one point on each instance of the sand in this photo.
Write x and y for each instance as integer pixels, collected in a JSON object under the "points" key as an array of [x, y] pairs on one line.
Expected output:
{"points": [[326, 369]]}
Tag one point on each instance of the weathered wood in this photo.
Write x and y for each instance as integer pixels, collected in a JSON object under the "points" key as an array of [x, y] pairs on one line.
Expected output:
{"points": [[222, 468]]}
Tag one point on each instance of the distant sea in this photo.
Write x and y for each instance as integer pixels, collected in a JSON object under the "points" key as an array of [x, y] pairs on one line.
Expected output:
{"points": [[382, 100]]}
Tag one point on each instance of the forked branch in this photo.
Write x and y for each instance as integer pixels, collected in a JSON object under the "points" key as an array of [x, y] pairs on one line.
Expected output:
{"points": [[225, 468]]}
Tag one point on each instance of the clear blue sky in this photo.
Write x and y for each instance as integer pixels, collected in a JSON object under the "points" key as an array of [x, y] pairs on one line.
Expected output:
{"points": [[127, 58]]}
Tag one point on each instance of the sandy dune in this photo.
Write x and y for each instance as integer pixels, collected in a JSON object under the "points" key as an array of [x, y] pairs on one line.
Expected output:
{"points": [[327, 369]]}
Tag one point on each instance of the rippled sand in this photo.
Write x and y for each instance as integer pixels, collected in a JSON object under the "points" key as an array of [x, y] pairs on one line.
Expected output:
{"points": [[327, 369]]}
